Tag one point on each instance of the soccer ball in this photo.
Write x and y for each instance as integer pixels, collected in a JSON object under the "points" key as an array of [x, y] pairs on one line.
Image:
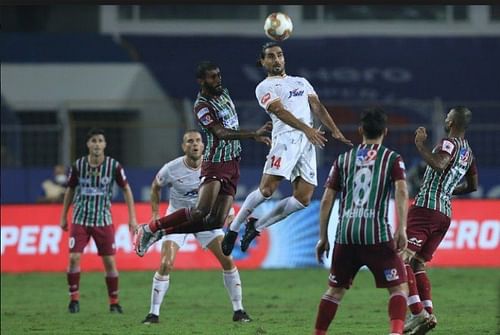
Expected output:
{"points": [[278, 26]]}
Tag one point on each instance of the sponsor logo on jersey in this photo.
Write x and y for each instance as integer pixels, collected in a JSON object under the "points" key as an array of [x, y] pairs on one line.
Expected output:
{"points": [[464, 155], [191, 193], [265, 98], [391, 274], [93, 191], [415, 241], [295, 93], [447, 146], [365, 157]]}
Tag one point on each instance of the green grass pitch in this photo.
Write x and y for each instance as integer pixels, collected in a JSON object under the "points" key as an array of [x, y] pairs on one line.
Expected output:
{"points": [[279, 301]]}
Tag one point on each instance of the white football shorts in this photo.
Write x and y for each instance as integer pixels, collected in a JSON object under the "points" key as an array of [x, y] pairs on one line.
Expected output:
{"points": [[204, 237], [291, 156]]}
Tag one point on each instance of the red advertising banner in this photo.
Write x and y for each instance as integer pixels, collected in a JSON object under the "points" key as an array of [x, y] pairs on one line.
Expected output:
{"points": [[31, 240], [473, 237]]}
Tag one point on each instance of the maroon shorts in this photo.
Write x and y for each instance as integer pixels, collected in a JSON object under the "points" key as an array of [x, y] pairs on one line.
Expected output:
{"points": [[228, 173], [104, 238], [425, 229], [382, 260]]}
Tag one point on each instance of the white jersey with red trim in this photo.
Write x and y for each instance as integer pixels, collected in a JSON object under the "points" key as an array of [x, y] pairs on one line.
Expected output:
{"points": [[293, 92]]}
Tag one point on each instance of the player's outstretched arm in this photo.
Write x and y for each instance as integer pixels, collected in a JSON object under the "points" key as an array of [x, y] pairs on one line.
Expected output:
{"points": [[230, 134], [401, 197], [323, 245], [439, 160], [315, 136], [322, 114]]}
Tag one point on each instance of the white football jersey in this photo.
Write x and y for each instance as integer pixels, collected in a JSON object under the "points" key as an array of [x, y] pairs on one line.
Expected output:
{"points": [[183, 182], [293, 92]]}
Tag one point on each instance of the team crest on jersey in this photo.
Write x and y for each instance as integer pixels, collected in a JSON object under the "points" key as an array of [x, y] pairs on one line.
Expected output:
{"points": [[391, 274], [105, 180], [365, 157]]}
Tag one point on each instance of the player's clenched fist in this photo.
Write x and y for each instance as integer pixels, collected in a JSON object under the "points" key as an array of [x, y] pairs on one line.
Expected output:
{"points": [[420, 135]]}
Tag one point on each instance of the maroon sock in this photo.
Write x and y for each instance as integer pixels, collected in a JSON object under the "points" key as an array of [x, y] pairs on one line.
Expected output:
{"points": [[74, 285], [326, 312], [397, 312], [185, 228], [190, 227], [424, 290], [170, 221], [112, 284], [415, 306]]}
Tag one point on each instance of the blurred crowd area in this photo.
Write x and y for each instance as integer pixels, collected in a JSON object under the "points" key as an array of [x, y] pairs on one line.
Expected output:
{"points": [[129, 69]]}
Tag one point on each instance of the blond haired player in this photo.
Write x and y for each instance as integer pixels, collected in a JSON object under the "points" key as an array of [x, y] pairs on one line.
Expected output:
{"points": [[182, 177]]}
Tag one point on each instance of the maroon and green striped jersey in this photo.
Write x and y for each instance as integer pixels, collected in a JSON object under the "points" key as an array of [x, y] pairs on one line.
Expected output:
{"points": [[437, 187], [364, 176], [94, 186], [210, 110]]}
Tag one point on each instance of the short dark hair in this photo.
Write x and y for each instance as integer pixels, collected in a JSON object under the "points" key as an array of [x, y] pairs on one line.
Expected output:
{"points": [[266, 46], [188, 131], [462, 116], [373, 122], [203, 67], [95, 131]]}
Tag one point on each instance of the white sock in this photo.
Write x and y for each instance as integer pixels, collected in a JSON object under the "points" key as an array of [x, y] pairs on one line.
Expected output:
{"points": [[427, 303], [282, 209], [252, 200], [158, 291], [232, 283], [413, 299]]}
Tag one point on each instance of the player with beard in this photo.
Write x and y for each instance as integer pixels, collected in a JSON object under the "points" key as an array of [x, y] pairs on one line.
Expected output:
{"points": [[430, 216], [291, 103]]}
